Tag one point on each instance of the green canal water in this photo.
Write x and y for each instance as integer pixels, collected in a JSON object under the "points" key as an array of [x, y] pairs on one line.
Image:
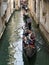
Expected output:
{"points": [[11, 44]]}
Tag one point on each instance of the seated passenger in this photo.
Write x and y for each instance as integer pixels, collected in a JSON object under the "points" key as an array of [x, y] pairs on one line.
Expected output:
{"points": [[26, 32], [25, 41], [32, 37]]}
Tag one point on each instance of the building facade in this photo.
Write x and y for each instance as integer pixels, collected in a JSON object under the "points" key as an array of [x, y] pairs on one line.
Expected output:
{"points": [[2, 17], [17, 4], [9, 10], [7, 7], [44, 17], [39, 10]]}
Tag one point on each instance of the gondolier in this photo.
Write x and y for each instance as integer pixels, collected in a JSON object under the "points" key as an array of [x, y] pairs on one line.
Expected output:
{"points": [[29, 20], [25, 17]]}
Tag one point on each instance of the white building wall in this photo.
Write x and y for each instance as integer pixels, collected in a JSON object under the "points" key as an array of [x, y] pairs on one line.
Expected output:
{"points": [[38, 10], [1, 27], [44, 18], [31, 7], [9, 9], [11, 4], [41, 15], [17, 4], [2, 21], [47, 18], [41, 12]]}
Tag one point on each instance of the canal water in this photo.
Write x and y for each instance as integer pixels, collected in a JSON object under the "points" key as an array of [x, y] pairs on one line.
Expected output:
{"points": [[11, 44]]}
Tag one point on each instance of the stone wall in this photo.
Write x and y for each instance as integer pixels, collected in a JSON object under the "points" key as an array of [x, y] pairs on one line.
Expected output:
{"points": [[31, 7], [6, 10], [10, 9], [44, 32], [17, 4], [39, 10], [2, 18], [44, 18]]}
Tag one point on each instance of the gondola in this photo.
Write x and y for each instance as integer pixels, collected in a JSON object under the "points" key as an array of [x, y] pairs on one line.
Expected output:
{"points": [[29, 48]]}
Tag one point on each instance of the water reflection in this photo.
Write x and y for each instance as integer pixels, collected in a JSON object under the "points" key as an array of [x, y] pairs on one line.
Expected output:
{"points": [[15, 48]]}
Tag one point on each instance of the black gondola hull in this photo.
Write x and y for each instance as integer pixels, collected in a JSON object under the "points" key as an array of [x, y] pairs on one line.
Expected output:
{"points": [[29, 50]]}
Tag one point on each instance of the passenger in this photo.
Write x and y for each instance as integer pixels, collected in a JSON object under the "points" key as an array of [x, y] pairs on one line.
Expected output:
{"points": [[29, 20], [32, 37], [26, 33], [29, 36], [25, 40]]}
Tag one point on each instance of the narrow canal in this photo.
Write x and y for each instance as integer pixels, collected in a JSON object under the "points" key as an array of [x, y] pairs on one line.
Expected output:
{"points": [[11, 44]]}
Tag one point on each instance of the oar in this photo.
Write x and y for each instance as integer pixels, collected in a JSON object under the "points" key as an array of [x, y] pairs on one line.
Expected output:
{"points": [[40, 44], [18, 28]]}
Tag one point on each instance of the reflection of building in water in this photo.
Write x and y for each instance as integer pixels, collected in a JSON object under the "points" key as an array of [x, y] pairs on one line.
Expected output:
{"points": [[40, 12]]}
